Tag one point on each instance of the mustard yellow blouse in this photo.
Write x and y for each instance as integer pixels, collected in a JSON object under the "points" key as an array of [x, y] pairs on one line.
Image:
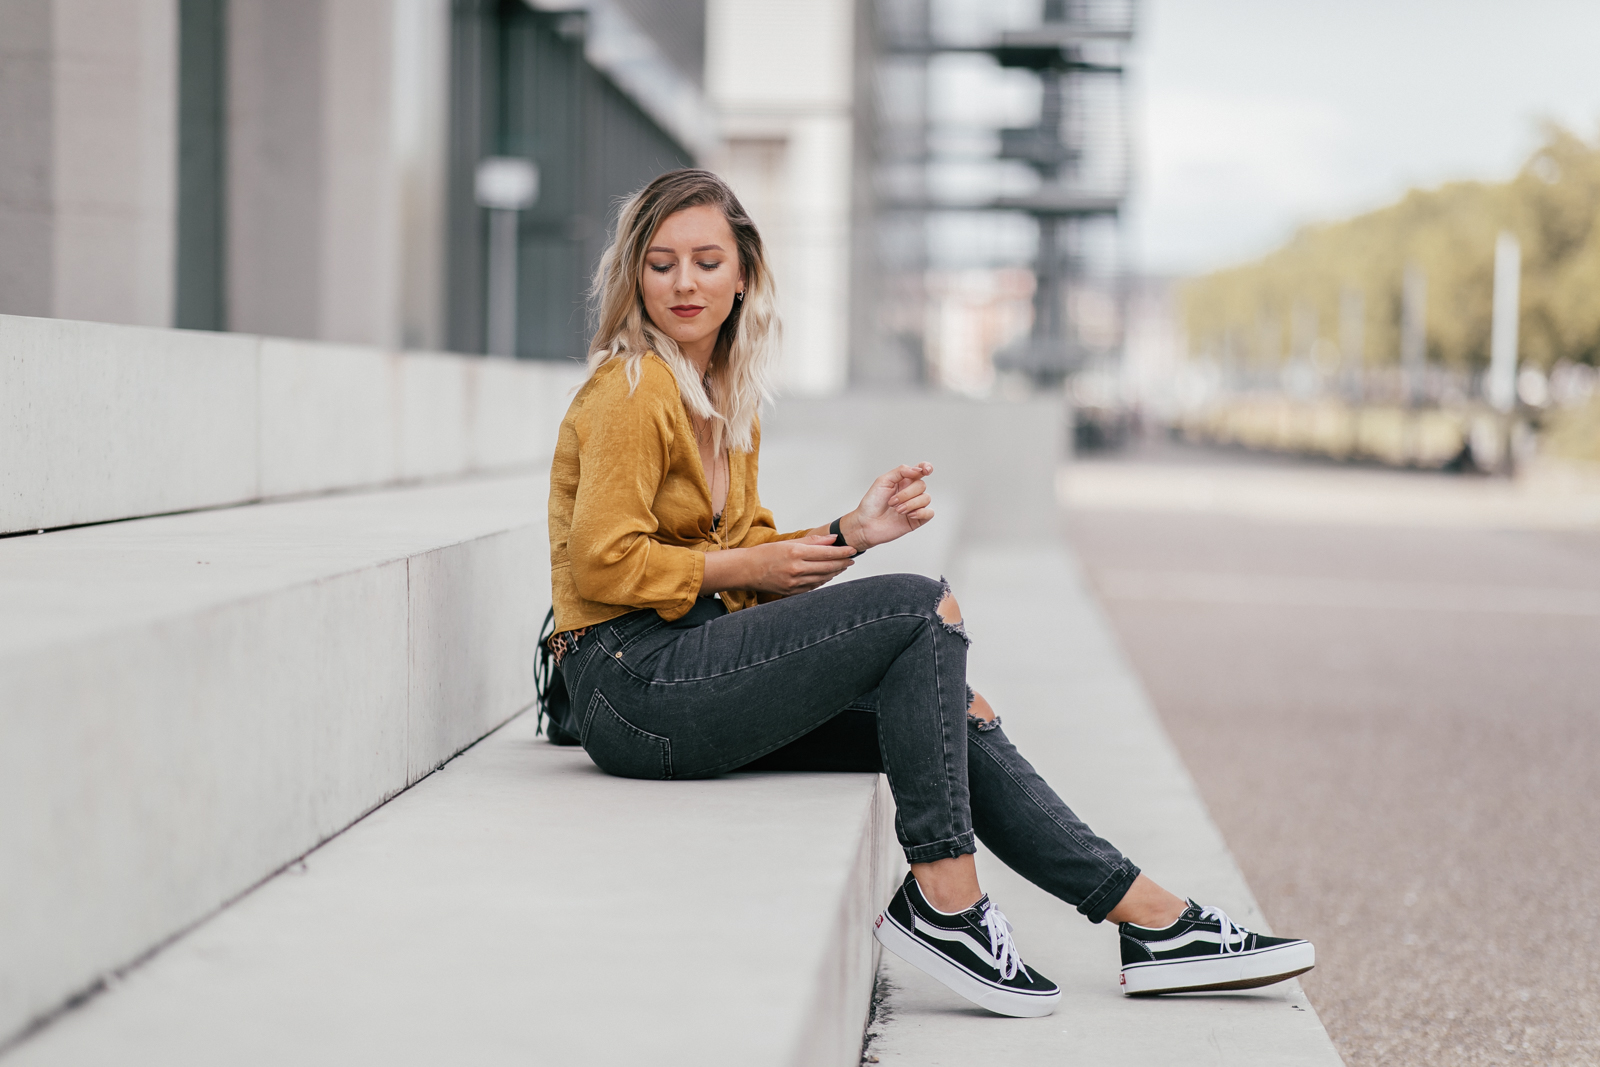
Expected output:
{"points": [[630, 507]]}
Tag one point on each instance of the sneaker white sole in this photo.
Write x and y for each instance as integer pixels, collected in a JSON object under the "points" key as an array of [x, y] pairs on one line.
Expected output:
{"points": [[1237, 970], [894, 937]]}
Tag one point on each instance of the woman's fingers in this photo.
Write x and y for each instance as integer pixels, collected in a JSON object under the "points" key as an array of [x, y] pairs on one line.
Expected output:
{"points": [[821, 566], [815, 575], [907, 491], [812, 564], [914, 503], [809, 549], [794, 566], [906, 472]]}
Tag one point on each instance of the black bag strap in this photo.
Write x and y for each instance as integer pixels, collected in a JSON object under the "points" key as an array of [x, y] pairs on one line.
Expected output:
{"points": [[544, 668]]}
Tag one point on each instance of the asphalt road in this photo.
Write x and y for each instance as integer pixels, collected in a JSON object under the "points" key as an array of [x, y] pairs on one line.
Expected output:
{"points": [[1395, 722]]}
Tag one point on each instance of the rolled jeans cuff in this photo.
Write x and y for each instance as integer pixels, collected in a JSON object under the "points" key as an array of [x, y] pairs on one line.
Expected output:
{"points": [[1110, 892], [961, 845]]}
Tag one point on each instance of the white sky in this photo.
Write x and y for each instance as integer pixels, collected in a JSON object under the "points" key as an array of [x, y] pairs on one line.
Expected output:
{"points": [[1256, 116]]}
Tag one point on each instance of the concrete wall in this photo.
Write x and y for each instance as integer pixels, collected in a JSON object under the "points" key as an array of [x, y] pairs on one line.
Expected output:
{"points": [[103, 422], [421, 103], [88, 171], [336, 137], [336, 164]]}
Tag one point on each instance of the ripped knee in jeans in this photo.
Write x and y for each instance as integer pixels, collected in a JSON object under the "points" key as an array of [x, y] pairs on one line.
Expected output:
{"points": [[979, 713], [950, 612]]}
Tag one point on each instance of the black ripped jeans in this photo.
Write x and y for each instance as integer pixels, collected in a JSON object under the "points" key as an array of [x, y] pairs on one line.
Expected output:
{"points": [[862, 675]]}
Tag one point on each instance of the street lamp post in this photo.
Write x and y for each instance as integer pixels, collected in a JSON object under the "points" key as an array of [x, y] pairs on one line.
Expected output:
{"points": [[1502, 391], [504, 185]]}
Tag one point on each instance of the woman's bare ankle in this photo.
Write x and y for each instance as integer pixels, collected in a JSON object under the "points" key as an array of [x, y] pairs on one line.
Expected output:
{"points": [[950, 885], [1147, 904]]}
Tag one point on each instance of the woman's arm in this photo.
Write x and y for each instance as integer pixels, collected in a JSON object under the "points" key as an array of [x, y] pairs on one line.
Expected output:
{"points": [[897, 503], [624, 445], [783, 567]]}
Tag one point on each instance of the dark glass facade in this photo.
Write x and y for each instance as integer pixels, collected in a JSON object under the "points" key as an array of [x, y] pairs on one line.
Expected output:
{"points": [[521, 86], [202, 165]]}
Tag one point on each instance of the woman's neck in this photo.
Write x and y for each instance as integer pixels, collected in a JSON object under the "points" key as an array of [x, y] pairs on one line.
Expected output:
{"points": [[700, 355]]}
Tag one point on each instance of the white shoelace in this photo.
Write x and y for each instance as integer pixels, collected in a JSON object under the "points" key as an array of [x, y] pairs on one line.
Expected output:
{"points": [[1226, 927], [1001, 946]]}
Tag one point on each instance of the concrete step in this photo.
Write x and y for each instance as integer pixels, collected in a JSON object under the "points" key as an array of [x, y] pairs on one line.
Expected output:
{"points": [[521, 907], [101, 422], [191, 702]]}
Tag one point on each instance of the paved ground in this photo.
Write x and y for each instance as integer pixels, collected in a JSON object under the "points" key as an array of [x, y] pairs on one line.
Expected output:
{"points": [[1389, 696]]}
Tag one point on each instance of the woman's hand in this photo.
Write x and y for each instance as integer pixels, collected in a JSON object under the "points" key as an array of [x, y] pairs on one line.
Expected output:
{"points": [[897, 503], [784, 567]]}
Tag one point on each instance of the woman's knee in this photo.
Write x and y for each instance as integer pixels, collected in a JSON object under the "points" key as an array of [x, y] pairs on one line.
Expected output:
{"points": [[980, 709], [913, 592], [949, 612], [929, 597], [948, 609]]}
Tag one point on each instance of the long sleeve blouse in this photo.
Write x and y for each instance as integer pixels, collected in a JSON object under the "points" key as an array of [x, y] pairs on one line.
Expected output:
{"points": [[630, 506]]}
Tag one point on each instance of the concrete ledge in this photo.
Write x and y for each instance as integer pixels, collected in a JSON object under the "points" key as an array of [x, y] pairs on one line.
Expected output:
{"points": [[521, 907], [190, 702], [101, 422]]}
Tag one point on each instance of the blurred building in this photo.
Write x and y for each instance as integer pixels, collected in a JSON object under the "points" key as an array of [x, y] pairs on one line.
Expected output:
{"points": [[928, 177], [780, 74], [601, 98], [994, 135], [305, 168]]}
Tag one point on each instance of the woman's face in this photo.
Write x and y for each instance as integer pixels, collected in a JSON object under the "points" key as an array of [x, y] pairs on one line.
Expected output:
{"points": [[691, 273]]}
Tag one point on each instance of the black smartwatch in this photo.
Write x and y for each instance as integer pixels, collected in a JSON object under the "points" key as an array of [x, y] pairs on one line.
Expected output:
{"points": [[838, 538]]}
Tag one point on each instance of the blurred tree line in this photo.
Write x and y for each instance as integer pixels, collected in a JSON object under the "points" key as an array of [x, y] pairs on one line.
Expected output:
{"points": [[1338, 286]]}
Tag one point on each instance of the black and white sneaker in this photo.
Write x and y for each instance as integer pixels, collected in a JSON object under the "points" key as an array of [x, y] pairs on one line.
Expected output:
{"points": [[972, 952], [1205, 950]]}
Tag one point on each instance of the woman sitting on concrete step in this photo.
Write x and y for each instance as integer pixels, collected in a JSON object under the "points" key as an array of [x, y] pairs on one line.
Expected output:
{"points": [[693, 638]]}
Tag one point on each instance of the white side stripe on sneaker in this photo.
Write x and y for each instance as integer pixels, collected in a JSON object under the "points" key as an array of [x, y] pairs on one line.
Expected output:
{"points": [[939, 933], [1181, 940], [1002, 953]]}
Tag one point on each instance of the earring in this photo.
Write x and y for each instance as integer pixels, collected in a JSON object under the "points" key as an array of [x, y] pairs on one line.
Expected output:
{"points": [[738, 297]]}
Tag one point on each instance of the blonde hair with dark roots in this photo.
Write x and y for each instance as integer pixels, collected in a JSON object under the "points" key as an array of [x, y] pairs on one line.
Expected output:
{"points": [[741, 366]]}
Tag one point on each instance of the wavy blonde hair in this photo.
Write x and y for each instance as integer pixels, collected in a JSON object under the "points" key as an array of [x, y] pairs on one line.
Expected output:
{"points": [[740, 373]]}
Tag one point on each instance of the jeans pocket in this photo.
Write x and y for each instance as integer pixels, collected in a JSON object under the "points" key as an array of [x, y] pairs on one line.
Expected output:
{"points": [[618, 747], [629, 628]]}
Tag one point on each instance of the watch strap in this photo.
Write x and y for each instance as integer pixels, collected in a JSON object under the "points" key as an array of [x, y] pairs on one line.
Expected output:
{"points": [[838, 538]]}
